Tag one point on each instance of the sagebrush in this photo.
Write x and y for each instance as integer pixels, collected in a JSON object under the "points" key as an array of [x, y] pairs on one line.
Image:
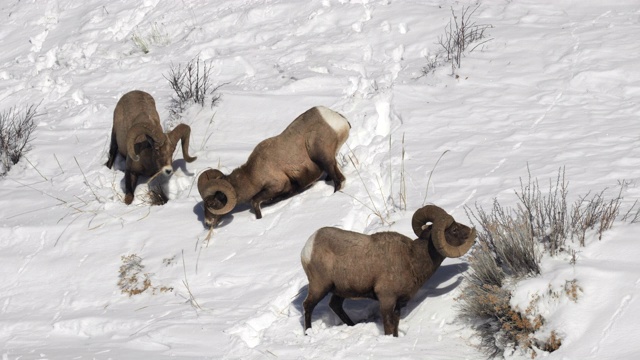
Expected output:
{"points": [[459, 35], [16, 130], [155, 36], [511, 242], [192, 84], [133, 280], [156, 195]]}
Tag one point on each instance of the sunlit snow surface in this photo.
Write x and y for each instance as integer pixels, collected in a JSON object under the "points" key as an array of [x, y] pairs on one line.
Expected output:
{"points": [[558, 85]]}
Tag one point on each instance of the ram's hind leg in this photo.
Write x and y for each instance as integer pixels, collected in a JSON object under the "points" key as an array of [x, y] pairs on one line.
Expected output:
{"points": [[113, 150], [314, 295], [390, 315], [336, 305]]}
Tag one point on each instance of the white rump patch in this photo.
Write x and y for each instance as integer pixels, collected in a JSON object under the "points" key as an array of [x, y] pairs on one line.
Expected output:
{"points": [[334, 119], [307, 250]]}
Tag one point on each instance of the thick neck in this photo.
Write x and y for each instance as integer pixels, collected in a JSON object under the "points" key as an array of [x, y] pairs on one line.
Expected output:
{"points": [[426, 259], [243, 184]]}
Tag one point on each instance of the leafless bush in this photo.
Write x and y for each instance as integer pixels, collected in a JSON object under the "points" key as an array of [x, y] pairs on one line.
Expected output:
{"points": [[192, 85], [16, 129], [155, 36], [133, 280], [499, 325], [546, 215], [433, 62], [594, 213], [511, 242], [459, 34], [507, 237], [633, 214], [156, 195]]}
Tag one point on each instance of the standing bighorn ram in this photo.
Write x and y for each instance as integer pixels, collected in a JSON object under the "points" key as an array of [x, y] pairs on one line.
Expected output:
{"points": [[279, 166], [137, 135], [386, 266]]}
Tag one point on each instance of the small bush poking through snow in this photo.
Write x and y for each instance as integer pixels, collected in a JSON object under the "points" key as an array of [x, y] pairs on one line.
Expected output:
{"points": [[156, 195], [16, 129], [459, 34], [511, 326], [572, 290], [511, 245], [132, 278], [191, 84], [155, 36]]}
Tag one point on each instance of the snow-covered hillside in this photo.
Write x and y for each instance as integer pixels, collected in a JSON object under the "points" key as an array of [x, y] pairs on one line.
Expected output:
{"points": [[557, 86]]}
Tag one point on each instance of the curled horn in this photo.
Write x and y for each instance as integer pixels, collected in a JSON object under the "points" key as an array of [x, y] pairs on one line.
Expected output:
{"points": [[211, 182], [182, 132], [441, 221], [138, 130]]}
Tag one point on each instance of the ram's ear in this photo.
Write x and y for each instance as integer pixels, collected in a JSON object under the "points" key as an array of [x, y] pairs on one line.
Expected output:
{"points": [[141, 146]]}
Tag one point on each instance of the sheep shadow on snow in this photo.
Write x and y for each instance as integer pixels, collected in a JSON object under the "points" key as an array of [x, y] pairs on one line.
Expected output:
{"points": [[198, 209], [225, 220], [367, 310]]}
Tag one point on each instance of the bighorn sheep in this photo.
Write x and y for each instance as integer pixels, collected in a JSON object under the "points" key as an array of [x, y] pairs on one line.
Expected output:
{"points": [[137, 135], [279, 166], [386, 266]]}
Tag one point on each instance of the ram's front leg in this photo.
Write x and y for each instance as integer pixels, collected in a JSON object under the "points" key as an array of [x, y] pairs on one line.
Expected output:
{"points": [[130, 183], [328, 164], [267, 194]]}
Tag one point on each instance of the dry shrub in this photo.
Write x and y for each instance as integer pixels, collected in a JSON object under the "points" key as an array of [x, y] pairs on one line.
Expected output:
{"points": [[133, 280], [510, 246], [552, 343], [192, 85], [572, 290], [459, 34], [155, 36], [16, 128], [156, 195], [499, 325], [594, 213]]}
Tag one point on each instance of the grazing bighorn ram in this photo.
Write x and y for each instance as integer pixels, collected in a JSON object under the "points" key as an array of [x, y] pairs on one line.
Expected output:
{"points": [[386, 266], [137, 135], [279, 166]]}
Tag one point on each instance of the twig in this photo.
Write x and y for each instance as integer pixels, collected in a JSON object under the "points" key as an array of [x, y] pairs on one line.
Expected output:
{"points": [[482, 43], [192, 299], [358, 200], [35, 168], [60, 166], [376, 212], [42, 192], [206, 131], [429, 179], [65, 229], [32, 211], [386, 209], [403, 184], [87, 181], [206, 240]]}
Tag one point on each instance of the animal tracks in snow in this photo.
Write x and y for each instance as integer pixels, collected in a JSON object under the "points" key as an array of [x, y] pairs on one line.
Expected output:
{"points": [[267, 316], [624, 303]]}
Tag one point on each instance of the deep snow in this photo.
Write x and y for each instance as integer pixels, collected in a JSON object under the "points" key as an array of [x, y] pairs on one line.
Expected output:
{"points": [[558, 86]]}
